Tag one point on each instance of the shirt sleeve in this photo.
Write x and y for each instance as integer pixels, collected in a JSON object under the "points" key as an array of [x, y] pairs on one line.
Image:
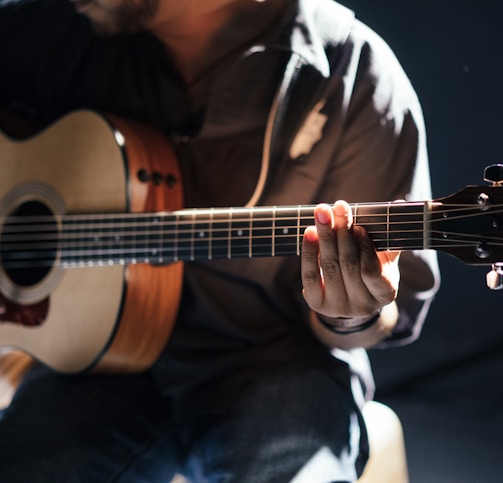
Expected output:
{"points": [[381, 155]]}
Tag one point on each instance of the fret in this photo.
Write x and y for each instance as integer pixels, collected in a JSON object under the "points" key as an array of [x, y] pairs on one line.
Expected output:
{"points": [[102, 242], [176, 235], [160, 229], [160, 242], [142, 239], [393, 226], [387, 226], [406, 224], [173, 237], [261, 235], [306, 219], [153, 235], [286, 232], [355, 214], [191, 236], [83, 245], [273, 232], [250, 236], [92, 247], [298, 241], [240, 234], [220, 234], [96, 244], [427, 213], [69, 247], [166, 238], [105, 238], [185, 236], [210, 235], [128, 245], [201, 236], [86, 243], [375, 221]]}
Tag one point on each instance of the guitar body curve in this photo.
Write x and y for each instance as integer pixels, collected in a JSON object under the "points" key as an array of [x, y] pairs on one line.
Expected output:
{"points": [[114, 318]]}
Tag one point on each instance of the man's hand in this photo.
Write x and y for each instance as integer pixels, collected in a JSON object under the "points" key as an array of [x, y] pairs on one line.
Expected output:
{"points": [[346, 281]]}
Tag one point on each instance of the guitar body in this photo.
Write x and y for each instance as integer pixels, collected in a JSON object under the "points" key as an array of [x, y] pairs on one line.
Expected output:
{"points": [[110, 318]]}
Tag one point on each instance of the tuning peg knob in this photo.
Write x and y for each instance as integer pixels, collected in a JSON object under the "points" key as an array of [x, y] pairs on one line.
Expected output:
{"points": [[494, 174], [494, 278]]}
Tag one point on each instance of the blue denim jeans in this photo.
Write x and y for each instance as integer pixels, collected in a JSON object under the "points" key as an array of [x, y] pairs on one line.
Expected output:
{"points": [[288, 424]]}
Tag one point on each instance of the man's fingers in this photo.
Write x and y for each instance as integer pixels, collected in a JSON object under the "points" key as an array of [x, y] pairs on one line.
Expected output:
{"points": [[312, 281], [348, 259], [379, 271], [342, 274], [328, 247]]}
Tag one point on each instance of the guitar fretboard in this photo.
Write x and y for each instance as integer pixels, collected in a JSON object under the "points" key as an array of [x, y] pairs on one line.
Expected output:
{"points": [[194, 234], [225, 233]]}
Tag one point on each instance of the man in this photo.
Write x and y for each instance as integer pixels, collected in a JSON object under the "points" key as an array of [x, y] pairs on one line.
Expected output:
{"points": [[270, 102]]}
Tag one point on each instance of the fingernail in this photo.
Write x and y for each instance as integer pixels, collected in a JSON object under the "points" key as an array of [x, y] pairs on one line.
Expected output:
{"points": [[310, 235], [322, 217]]}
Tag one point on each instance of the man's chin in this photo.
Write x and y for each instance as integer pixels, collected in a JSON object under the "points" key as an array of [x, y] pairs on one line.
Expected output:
{"points": [[111, 27], [81, 5], [129, 17]]}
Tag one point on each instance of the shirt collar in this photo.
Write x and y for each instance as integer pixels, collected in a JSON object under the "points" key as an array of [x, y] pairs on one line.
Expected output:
{"points": [[307, 28]]}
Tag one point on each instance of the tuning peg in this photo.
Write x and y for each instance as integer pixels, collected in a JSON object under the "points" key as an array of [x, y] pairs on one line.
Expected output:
{"points": [[494, 278], [494, 174]]}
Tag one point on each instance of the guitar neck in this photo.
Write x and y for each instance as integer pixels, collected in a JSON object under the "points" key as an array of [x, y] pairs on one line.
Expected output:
{"points": [[218, 233]]}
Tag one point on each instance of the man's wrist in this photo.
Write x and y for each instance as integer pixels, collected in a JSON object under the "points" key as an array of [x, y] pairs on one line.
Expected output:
{"points": [[347, 326]]}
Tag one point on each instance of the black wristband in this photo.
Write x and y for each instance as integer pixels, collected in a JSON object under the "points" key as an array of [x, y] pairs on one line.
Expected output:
{"points": [[351, 330]]}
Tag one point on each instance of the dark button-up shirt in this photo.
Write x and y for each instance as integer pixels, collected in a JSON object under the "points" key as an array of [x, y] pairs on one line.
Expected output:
{"points": [[320, 103]]}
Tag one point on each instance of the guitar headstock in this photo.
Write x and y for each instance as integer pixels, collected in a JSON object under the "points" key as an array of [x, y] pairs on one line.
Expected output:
{"points": [[469, 225]]}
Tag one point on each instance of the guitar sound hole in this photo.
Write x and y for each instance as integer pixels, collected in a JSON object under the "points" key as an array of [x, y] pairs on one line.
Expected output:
{"points": [[29, 243]]}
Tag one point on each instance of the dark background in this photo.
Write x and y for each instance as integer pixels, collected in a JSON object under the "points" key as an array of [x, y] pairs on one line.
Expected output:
{"points": [[447, 387]]}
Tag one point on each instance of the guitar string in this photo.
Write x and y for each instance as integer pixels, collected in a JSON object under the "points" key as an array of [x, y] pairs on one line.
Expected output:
{"points": [[188, 214], [93, 239], [193, 241], [198, 230], [100, 238], [191, 251], [168, 219], [186, 255]]}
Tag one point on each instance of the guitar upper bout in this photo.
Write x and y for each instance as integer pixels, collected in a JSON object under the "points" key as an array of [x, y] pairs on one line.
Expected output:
{"points": [[110, 318], [153, 292]]}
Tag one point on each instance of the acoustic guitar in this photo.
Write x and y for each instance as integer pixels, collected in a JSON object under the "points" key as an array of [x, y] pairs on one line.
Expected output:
{"points": [[93, 238]]}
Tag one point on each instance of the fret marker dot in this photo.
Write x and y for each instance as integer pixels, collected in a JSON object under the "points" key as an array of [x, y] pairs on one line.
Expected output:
{"points": [[202, 234], [285, 231], [240, 232]]}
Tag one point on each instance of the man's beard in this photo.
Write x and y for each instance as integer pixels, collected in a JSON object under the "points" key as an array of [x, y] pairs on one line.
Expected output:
{"points": [[132, 16]]}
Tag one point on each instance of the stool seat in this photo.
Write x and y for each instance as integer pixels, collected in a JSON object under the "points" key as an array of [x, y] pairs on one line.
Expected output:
{"points": [[388, 459]]}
